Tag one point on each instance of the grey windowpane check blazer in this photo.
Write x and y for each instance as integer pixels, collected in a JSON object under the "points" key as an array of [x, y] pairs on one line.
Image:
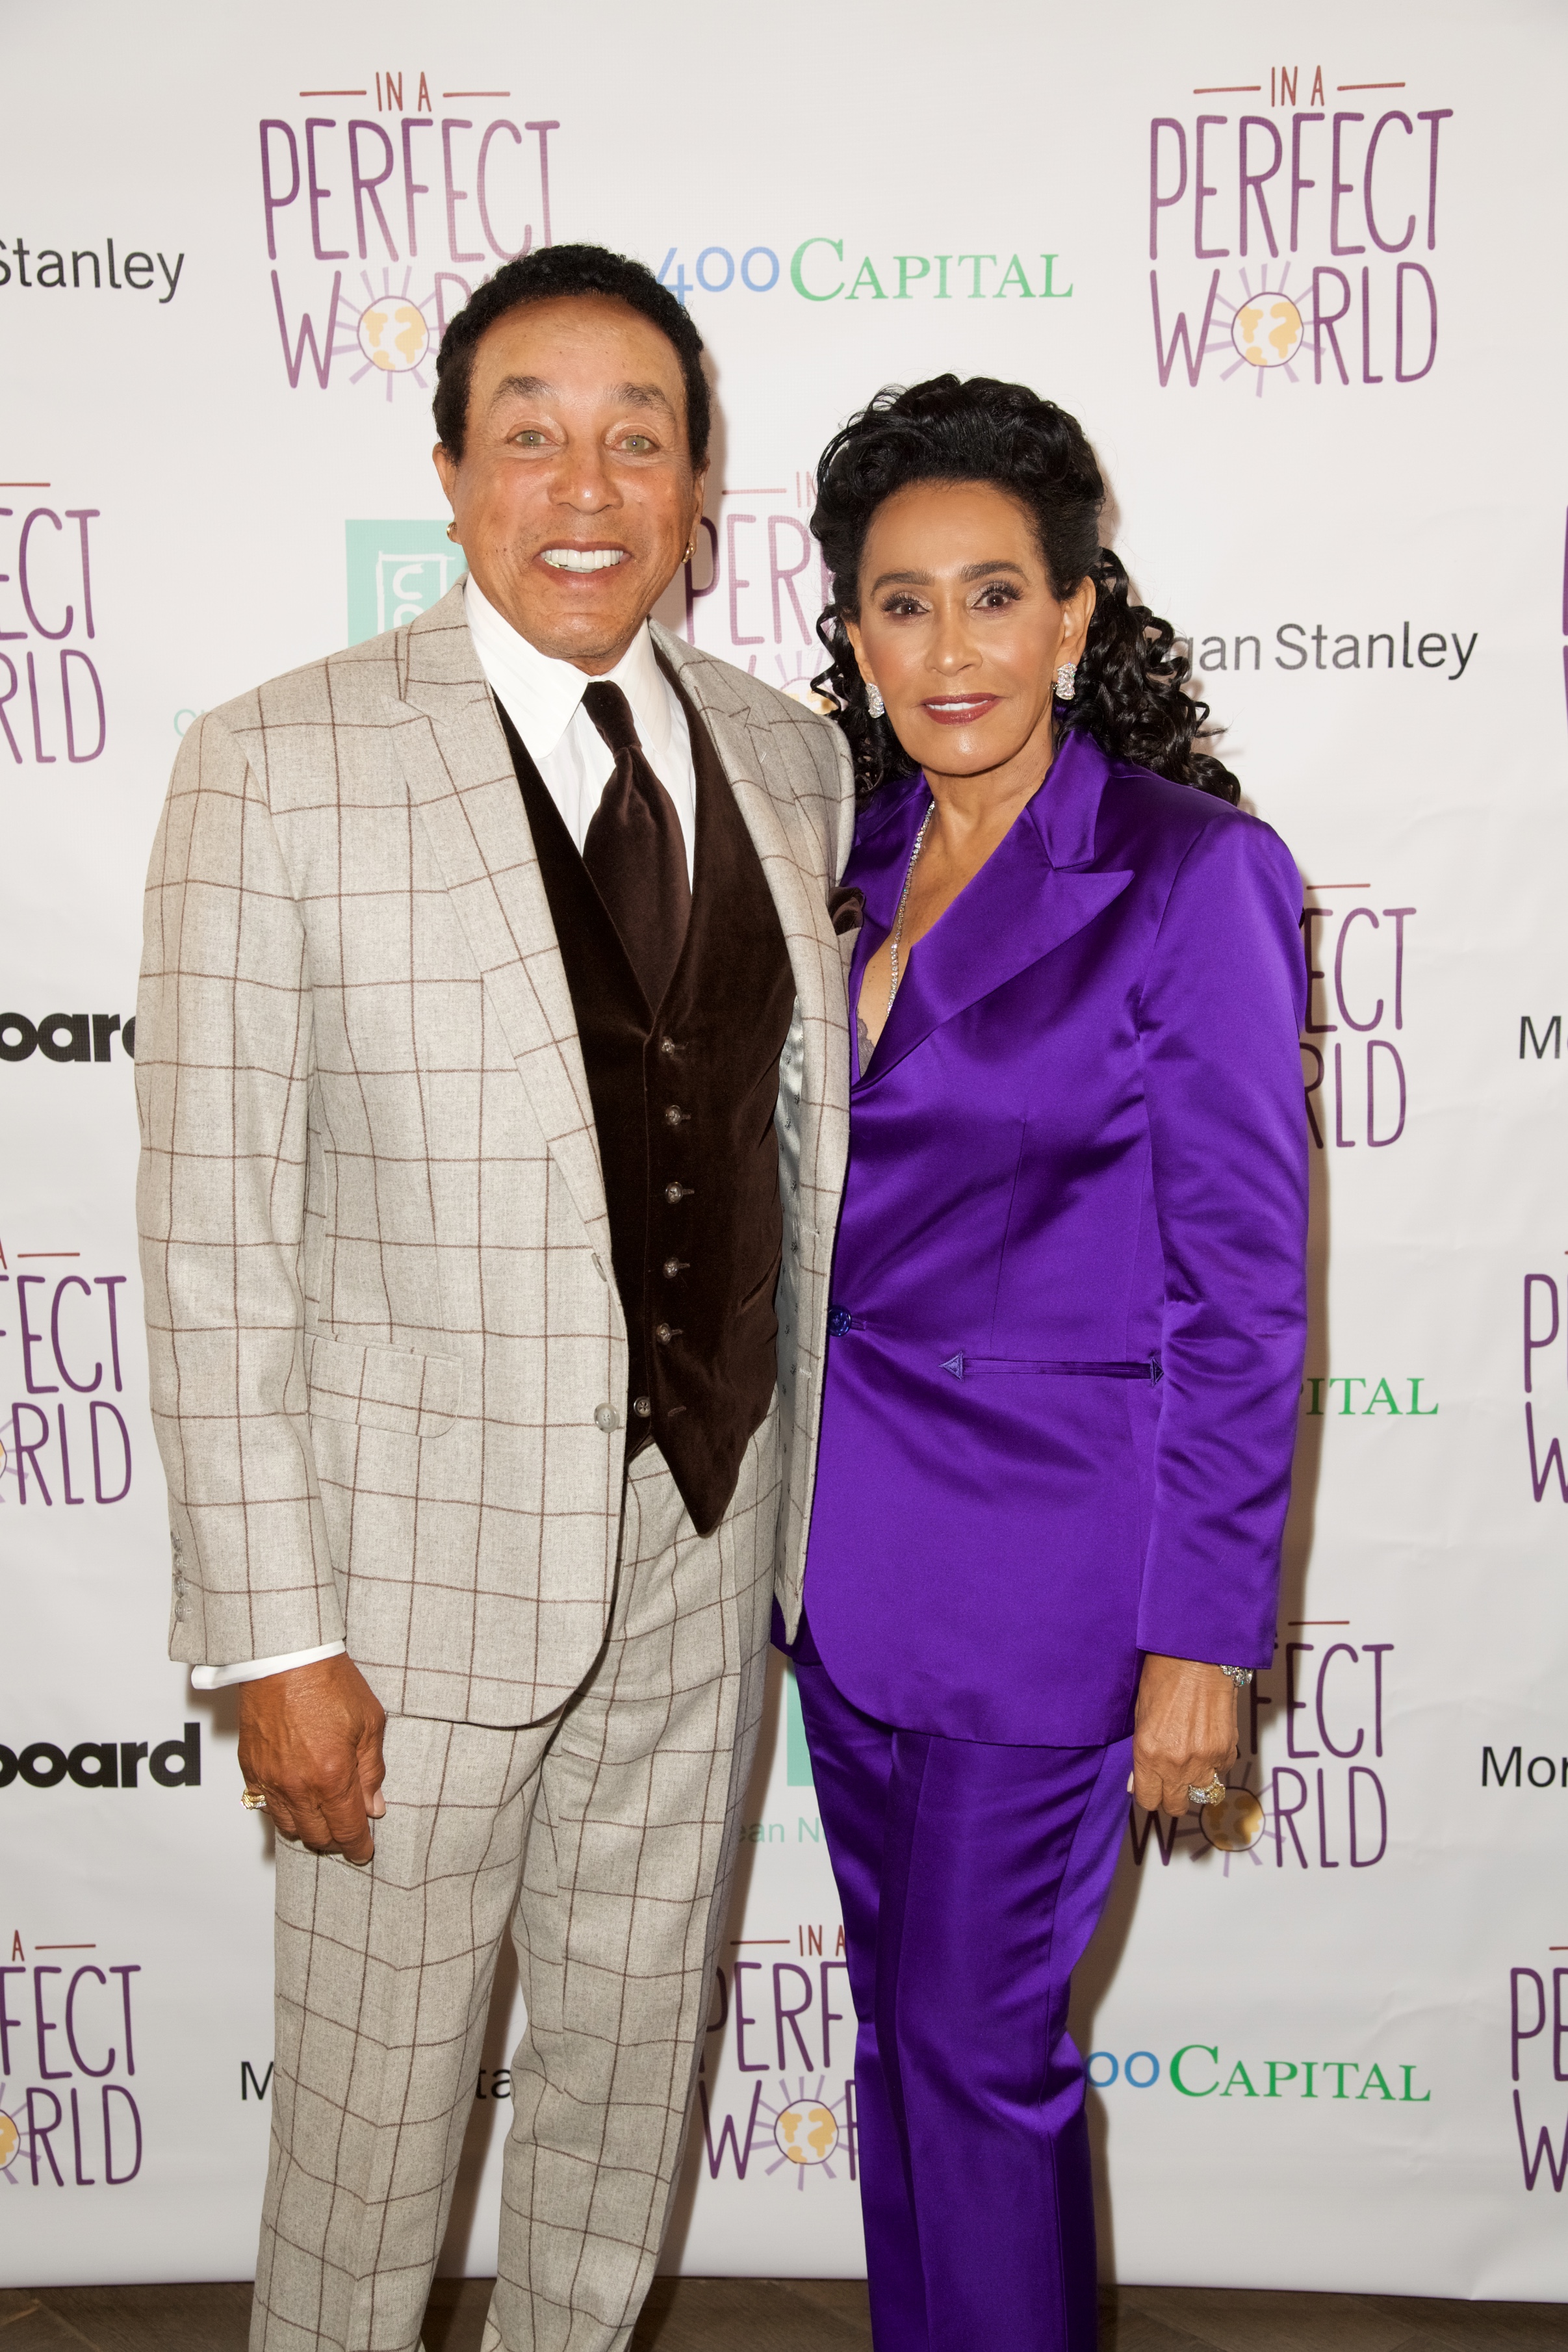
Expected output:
{"points": [[384, 1341]]}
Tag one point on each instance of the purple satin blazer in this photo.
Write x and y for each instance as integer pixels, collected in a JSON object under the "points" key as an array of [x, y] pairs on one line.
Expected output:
{"points": [[1069, 1294]]}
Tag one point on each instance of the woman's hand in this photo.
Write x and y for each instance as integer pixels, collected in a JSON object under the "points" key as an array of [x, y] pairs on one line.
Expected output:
{"points": [[1184, 1733]]}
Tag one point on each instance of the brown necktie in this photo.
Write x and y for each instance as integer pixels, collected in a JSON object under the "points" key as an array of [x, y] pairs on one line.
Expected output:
{"points": [[634, 850]]}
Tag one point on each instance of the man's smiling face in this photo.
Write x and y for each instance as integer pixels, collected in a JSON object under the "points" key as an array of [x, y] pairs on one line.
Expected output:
{"points": [[575, 498]]}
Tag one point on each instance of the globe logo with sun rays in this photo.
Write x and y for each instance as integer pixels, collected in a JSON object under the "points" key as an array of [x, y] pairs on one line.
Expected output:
{"points": [[1268, 333], [1266, 330], [10, 2141], [806, 2135], [393, 335], [808, 2132], [391, 338]]}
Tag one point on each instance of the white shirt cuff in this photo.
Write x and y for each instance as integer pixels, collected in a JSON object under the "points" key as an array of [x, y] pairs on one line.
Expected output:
{"points": [[206, 1679]]}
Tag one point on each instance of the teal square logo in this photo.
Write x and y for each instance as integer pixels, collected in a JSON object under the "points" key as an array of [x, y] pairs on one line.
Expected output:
{"points": [[397, 570], [796, 1754]]}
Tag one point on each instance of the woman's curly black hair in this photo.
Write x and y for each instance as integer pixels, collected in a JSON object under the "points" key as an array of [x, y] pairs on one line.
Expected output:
{"points": [[1131, 696]]}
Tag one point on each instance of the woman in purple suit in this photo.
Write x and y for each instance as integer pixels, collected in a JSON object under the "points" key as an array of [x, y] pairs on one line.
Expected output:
{"points": [[1067, 1325]]}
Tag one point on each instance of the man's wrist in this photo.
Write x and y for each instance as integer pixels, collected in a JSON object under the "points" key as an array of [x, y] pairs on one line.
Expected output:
{"points": [[254, 1670]]}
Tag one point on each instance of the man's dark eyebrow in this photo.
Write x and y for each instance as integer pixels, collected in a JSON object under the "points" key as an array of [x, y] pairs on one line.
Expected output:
{"points": [[538, 387], [922, 579], [643, 396], [522, 388]]}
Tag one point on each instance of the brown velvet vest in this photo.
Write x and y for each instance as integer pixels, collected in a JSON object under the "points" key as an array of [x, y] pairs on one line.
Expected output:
{"points": [[684, 1098]]}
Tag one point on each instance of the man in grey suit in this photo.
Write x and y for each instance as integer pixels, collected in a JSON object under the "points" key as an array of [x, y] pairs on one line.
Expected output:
{"points": [[493, 1077]]}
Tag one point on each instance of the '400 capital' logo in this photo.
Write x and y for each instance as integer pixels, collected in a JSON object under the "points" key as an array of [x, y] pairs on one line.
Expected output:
{"points": [[401, 192], [1303, 199]]}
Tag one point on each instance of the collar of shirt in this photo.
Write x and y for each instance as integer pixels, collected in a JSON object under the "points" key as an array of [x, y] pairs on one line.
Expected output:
{"points": [[542, 696]]}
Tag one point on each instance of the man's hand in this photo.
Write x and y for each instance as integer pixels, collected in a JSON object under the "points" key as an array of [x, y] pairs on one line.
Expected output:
{"points": [[311, 1739], [1184, 1731]]}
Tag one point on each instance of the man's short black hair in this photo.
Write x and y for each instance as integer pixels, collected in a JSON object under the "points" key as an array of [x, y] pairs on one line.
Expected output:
{"points": [[547, 274]]}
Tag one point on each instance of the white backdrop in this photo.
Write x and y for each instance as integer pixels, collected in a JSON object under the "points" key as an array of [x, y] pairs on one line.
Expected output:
{"points": [[1332, 422]]}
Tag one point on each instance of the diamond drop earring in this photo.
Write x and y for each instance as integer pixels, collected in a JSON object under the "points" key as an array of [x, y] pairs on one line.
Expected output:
{"points": [[873, 701], [1066, 687]]}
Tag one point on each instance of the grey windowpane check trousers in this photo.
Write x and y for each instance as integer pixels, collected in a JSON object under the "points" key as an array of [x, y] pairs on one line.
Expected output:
{"points": [[604, 1838]]}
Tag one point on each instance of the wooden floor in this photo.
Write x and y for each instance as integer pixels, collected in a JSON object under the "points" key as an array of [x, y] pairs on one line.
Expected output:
{"points": [[815, 2316]]}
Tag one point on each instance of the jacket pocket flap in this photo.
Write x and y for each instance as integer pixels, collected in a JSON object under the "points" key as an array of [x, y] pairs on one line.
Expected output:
{"points": [[384, 1388]]}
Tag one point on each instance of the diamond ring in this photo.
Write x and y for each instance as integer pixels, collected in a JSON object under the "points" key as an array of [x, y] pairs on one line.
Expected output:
{"points": [[1214, 1794]]}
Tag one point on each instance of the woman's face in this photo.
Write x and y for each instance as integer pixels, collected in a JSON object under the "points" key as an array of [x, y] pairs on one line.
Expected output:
{"points": [[958, 627]]}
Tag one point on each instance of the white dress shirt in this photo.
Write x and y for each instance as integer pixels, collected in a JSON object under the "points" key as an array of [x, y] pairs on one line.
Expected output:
{"points": [[543, 700]]}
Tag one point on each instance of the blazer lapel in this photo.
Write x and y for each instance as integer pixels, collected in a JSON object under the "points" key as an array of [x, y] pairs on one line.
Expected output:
{"points": [[1026, 901], [460, 778]]}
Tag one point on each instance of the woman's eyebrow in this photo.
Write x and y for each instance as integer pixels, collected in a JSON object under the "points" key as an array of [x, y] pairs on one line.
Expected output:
{"points": [[922, 579]]}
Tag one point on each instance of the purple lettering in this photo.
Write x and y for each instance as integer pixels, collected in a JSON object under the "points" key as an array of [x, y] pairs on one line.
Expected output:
{"points": [[1200, 193], [455, 194], [507, 253], [39, 514], [1326, 322], [69, 653], [1401, 373], [70, 2021], [1357, 1862], [1255, 180], [1378, 239], [318, 195], [101, 1404], [1158, 204], [366, 185], [271, 201], [1338, 187], [735, 584]]}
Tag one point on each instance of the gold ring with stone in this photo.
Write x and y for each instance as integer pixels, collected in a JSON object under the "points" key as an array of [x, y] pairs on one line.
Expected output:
{"points": [[1214, 1794], [254, 1800]]}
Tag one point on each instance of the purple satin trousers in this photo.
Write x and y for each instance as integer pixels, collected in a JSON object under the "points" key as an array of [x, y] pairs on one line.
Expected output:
{"points": [[972, 1876]]}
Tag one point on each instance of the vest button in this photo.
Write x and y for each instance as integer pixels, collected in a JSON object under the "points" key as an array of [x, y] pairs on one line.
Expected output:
{"points": [[674, 1192], [664, 1334], [642, 1408], [668, 1045], [673, 1266], [607, 1417], [674, 1116]]}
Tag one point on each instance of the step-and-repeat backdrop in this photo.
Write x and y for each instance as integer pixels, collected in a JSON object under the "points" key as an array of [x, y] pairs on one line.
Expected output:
{"points": [[1299, 273]]}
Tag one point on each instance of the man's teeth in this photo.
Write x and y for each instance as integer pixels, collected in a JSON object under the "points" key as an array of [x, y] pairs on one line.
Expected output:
{"points": [[584, 559]]}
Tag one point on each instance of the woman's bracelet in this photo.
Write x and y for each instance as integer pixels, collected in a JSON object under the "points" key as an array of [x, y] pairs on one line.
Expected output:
{"points": [[1239, 1675]]}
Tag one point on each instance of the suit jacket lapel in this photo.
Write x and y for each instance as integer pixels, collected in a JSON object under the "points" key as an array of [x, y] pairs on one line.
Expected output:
{"points": [[1025, 901], [460, 778]]}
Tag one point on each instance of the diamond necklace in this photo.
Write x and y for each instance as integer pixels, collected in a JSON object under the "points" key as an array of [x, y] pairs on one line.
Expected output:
{"points": [[896, 940]]}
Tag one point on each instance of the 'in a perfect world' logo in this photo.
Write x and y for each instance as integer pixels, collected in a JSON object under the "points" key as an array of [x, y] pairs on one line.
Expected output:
{"points": [[68, 2116], [1545, 1323], [51, 695], [409, 207], [64, 1440], [1538, 2036], [1326, 1804], [1354, 1049], [1292, 234], [787, 2126]]}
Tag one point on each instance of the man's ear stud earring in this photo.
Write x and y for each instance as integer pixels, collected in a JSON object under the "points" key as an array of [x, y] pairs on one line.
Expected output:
{"points": [[451, 530]]}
